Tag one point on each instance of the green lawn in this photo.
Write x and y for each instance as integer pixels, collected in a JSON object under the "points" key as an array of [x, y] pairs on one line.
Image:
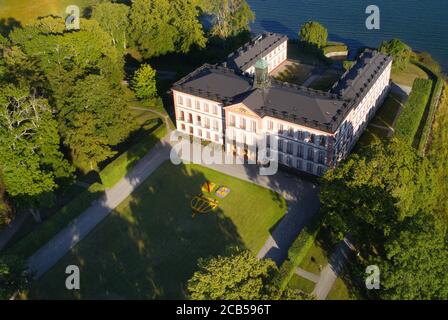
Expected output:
{"points": [[24, 11], [302, 284], [149, 246], [388, 112], [407, 76], [339, 291], [294, 73], [315, 260]]}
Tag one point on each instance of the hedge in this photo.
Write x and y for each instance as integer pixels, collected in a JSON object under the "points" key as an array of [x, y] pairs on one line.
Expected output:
{"points": [[298, 251], [409, 120], [56, 222], [436, 93], [119, 168]]}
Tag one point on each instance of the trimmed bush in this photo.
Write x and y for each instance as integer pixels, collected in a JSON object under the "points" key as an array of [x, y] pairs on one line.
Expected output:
{"points": [[411, 116], [56, 222], [298, 251], [435, 98], [119, 168]]}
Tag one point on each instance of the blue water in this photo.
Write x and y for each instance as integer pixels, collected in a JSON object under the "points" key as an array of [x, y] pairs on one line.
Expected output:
{"points": [[423, 24]]}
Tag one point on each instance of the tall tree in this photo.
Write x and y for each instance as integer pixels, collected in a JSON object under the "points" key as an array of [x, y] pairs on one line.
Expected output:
{"points": [[374, 191], [240, 276], [144, 82], [314, 34], [113, 18], [95, 119], [158, 27], [399, 50], [30, 159], [415, 262], [5, 210], [85, 84], [232, 16], [13, 276]]}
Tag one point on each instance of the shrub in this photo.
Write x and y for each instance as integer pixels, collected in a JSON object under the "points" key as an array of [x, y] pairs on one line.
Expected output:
{"points": [[411, 116], [56, 222], [399, 50], [120, 167], [435, 99], [297, 252], [314, 34]]}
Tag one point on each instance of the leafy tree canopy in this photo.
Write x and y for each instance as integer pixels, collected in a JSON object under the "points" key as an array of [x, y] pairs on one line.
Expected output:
{"points": [[93, 120], [30, 159], [13, 276], [373, 191], [144, 82], [314, 34], [240, 276], [232, 17], [158, 27], [399, 50], [114, 19]]}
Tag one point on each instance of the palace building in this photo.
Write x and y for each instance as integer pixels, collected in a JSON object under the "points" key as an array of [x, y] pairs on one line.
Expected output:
{"points": [[237, 105]]}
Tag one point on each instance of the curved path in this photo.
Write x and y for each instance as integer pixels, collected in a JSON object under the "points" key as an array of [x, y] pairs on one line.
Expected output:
{"points": [[301, 198]]}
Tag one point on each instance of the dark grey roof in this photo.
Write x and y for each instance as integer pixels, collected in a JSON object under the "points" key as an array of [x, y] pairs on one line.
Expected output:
{"points": [[214, 83], [247, 56], [356, 82], [315, 109]]}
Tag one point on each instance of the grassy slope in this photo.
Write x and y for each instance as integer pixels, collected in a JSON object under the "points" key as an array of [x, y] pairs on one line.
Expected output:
{"points": [[408, 75], [153, 242], [26, 10]]}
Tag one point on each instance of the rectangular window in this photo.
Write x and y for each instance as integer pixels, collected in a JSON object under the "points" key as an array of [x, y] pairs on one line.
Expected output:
{"points": [[323, 141], [290, 131], [300, 151], [216, 138], [289, 147], [206, 108], [207, 123], [320, 171], [321, 159], [299, 164], [300, 135], [243, 123], [200, 133], [182, 127], [309, 167], [253, 126], [198, 105], [215, 109], [280, 128], [270, 125], [280, 157], [188, 102], [288, 161], [310, 154], [280, 145], [208, 135], [216, 125], [232, 120], [313, 138], [180, 100]]}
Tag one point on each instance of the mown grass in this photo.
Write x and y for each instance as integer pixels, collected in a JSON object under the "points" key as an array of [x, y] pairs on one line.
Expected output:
{"points": [[149, 246]]}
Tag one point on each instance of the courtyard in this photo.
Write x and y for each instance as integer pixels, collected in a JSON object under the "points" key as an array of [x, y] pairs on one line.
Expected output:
{"points": [[149, 246]]}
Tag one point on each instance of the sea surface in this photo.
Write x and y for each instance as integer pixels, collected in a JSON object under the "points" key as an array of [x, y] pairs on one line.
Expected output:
{"points": [[423, 24]]}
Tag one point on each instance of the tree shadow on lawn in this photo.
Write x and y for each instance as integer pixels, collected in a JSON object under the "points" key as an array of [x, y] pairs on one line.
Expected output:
{"points": [[148, 247]]}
